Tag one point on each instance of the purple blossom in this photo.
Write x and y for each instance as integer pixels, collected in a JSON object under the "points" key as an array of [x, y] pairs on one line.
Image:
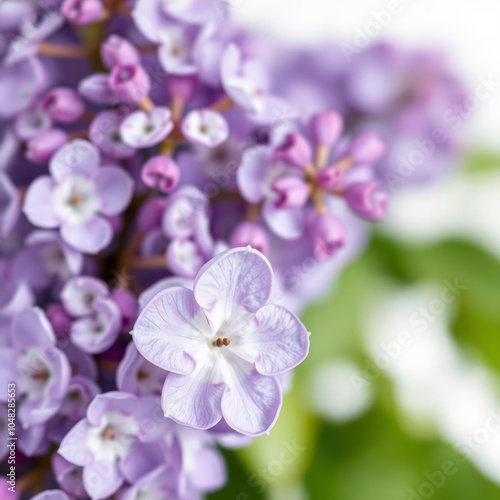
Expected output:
{"points": [[81, 194], [211, 339]]}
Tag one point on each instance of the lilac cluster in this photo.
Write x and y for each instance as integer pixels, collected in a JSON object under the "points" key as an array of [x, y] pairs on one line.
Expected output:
{"points": [[165, 212]]}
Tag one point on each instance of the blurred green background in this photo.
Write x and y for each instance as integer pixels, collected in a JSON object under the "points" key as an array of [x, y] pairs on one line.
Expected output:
{"points": [[373, 456]]}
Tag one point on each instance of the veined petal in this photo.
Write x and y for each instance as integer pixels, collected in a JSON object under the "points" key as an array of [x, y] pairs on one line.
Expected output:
{"points": [[168, 332], [279, 341], [73, 447], [194, 400], [252, 401], [240, 278]]}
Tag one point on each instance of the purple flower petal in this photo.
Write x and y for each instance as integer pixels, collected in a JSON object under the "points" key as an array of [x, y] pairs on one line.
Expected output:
{"points": [[32, 328], [90, 237], [115, 188], [98, 332], [143, 130], [194, 400], [279, 339], [102, 479], [73, 447], [252, 401], [287, 223], [37, 204], [79, 157], [165, 332], [235, 280]]}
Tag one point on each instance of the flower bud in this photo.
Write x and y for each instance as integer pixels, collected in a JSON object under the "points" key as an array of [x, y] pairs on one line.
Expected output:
{"points": [[39, 149], [330, 178], [82, 11], [366, 149], [294, 151], [367, 200], [253, 234], [117, 51], [162, 173], [292, 192], [327, 234], [63, 105], [130, 82], [326, 128]]}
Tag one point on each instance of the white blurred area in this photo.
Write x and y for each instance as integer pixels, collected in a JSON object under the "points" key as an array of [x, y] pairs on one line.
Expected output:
{"points": [[336, 393], [464, 206], [468, 31], [437, 389]]}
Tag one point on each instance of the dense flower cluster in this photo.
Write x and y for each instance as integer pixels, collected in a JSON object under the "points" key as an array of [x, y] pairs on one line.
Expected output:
{"points": [[167, 206]]}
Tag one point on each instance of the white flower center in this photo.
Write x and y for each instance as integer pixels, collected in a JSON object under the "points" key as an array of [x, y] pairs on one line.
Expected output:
{"points": [[113, 439], [75, 200]]}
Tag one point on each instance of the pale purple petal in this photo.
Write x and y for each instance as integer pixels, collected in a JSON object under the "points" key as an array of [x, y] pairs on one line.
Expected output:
{"points": [[32, 328], [38, 203], [114, 188], [79, 157], [166, 333], [253, 172], [99, 331], [89, 237], [143, 130], [111, 402], [73, 447], [237, 280], [102, 479], [251, 402], [96, 89], [205, 127], [80, 294], [104, 132], [287, 223], [280, 341], [194, 400], [161, 285]]}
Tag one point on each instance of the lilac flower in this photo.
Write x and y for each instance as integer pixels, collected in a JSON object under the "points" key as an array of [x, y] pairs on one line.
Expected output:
{"points": [[205, 128], [223, 345], [20, 84], [46, 257], [99, 318], [77, 195], [104, 132], [41, 370], [142, 130], [291, 174], [137, 375], [103, 440], [31, 122]]}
